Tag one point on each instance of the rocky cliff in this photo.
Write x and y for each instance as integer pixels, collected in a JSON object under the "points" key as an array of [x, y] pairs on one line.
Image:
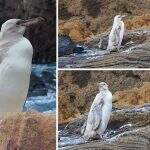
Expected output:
{"points": [[43, 36], [83, 19], [77, 90]]}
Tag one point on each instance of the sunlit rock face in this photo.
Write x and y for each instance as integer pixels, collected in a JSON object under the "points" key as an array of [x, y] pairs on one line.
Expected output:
{"points": [[42, 37], [135, 96]]}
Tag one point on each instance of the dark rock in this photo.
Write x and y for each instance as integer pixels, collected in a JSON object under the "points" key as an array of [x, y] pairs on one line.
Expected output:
{"points": [[98, 42], [42, 89], [78, 50], [42, 79], [37, 86], [48, 77], [135, 140], [66, 45], [42, 37], [41, 107]]}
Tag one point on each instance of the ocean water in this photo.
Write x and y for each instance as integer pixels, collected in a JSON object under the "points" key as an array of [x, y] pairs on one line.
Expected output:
{"points": [[42, 91]]}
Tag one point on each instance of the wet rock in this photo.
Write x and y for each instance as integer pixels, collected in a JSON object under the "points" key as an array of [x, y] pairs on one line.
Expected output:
{"points": [[37, 86], [135, 117], [41, 80], [133, 53], [41, 94], [126, 128], [66, 45], [79, 50], [101, 44], [137, 139], [42, 36], [28, 131]]}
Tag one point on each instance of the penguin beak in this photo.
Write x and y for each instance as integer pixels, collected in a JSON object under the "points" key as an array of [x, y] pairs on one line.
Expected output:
{"points": [[30, 22], [122, 17]]}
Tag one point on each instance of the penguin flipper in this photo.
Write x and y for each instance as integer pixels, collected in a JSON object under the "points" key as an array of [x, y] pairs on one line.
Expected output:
{"points": [[4, 47], [96, 116]]}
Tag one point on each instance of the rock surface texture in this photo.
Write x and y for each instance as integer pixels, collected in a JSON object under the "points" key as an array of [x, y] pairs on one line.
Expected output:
{"points": [[134, 52], [87, 22], [82, 19], [42, 37], [77, 90], [127, 129], [28, 131]]}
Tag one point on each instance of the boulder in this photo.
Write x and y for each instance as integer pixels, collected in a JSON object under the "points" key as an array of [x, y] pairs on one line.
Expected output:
{"points": [[66, 45]]}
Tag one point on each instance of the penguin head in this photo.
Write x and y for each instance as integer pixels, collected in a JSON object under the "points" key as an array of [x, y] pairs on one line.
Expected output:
{"points": [[103, 86], [119, 17], [13, 27]]}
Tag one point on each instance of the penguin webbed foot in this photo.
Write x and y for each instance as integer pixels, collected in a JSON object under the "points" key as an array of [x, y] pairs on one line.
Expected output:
{"points": [[102, 136], [108, 51], [97, 137], [94, 138], [118, 49]]}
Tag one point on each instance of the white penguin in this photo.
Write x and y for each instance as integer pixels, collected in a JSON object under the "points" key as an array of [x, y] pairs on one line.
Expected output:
{"points": [[116, 34], [15, 66], [99, 114]]}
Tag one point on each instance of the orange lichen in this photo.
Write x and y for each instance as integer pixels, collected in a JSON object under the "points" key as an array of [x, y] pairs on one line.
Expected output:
{"points": [[138, 22], [135, 96]]}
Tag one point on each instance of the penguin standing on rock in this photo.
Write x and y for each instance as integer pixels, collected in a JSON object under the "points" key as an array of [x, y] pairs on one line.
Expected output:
{"points": [[116, 34], [99, 114]]}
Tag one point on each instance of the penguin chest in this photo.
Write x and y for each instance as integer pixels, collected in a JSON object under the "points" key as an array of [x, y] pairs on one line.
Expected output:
{"points": [[107, 107], [14, 78], [106, 110]]}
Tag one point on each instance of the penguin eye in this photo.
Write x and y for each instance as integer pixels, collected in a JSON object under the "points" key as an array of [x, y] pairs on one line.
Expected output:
{"points": [[18, 23]]}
